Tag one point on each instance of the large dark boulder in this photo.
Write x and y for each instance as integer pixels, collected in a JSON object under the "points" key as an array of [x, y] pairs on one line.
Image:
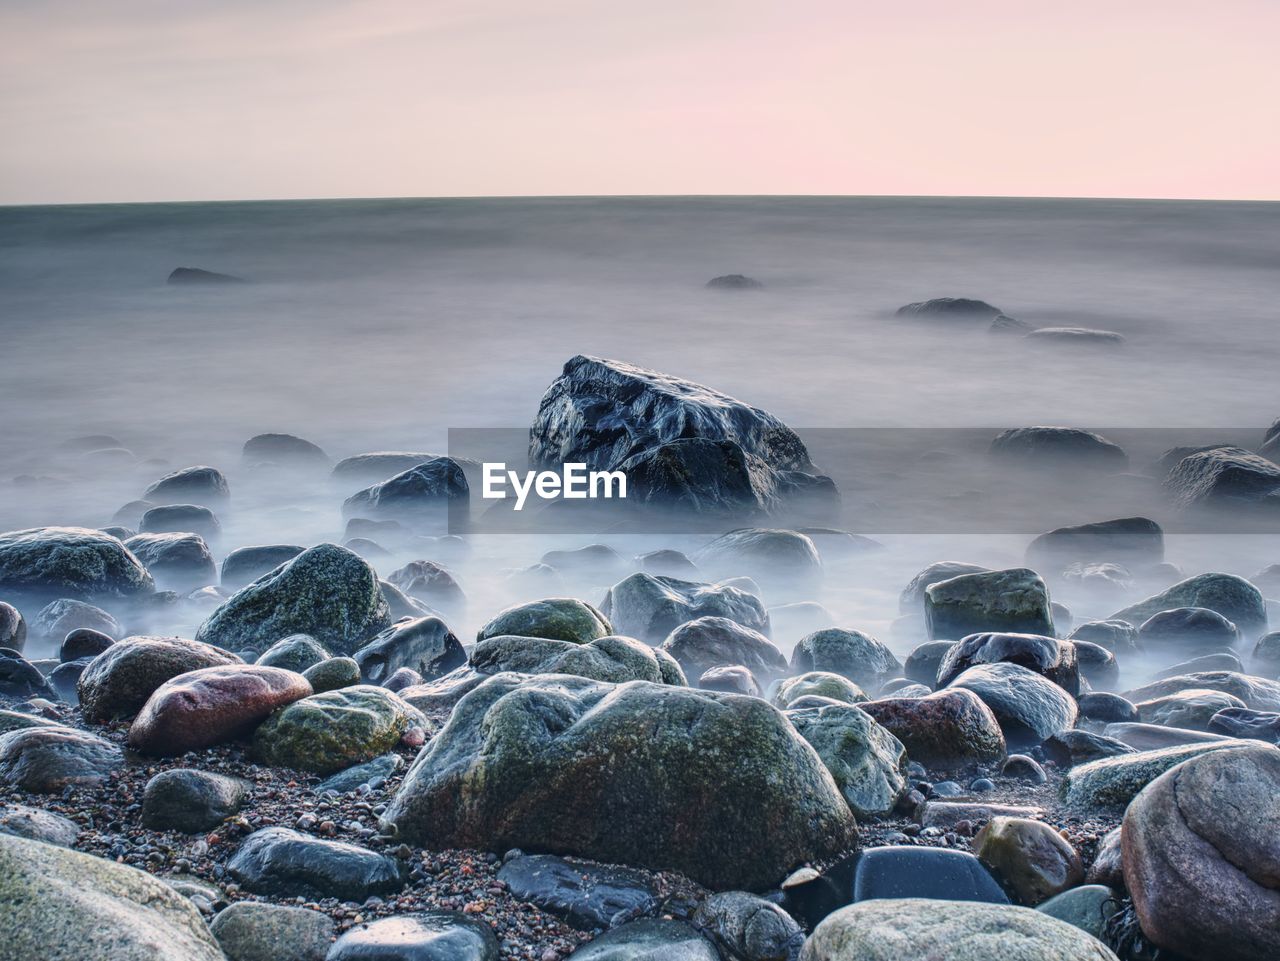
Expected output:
{"points": [[1015, 601], [650, 607], [119, 680], [1028, 706], [178, 562], [204, 486], [1225, 477], [434, 495], [1128, 540], [1058, 448], [1233, 597], [717, 786], [423, 644], [46, 563], [326, 592], [1047, 656], [852, 654]]}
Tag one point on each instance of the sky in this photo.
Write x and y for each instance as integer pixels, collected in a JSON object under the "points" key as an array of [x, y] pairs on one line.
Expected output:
{"points": [[144, 100]]}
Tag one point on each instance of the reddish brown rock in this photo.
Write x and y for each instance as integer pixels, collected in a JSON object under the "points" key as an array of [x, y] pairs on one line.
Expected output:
{"points": [[949, 730], [119, 680], [212, 705]]}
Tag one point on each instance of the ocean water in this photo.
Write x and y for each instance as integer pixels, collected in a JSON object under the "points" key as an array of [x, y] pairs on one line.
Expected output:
{"points": [[381, 324]]}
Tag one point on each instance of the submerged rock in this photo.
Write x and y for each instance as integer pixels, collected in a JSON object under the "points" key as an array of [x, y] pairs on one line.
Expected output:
{"points": [[246, 564], [734, 282], [199, 276], [178, 562], [1075, 337], [649, 606], [1233, 597], [285, 450], [1225, 477], [852, 654], [434, 494], [203, 486], [781, 558], [643, 774], [45, 563], [1058, 448], [950, 308]]}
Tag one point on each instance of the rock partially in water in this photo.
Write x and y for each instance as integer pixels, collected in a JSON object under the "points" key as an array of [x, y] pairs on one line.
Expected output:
{"points": [[614, 659], [1187, 630], [197, 276], [422, 644], [1103, 706], [776, 558], [730, 679], [246, 564], [1202, 856], [297, 652], [46, 563], [734, 282], [1075, 337], [59, 618], [1029, 707], [1233, 597], [13, 628], [1242, 722], [951, 308], [285, 863], [557, 618], [1058, 448], [47, 760], [1053, 659], [203, 486], [950, 730], [431, 583], [649, 606], [1014, 601], [120, 680], [1256, 692], [1191, 708], [644, 774], [911, 600], [432, 495], [713, 641], [178, 562], [180, 519], [284, 450], [585, 894], [1115, 635], [191, 801], [852, 654], [1226, 477], [1127, 540]]}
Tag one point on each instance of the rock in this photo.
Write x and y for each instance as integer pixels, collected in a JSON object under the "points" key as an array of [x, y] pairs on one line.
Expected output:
{"points": [[1128, 540], [20, 678], [45, 760], [1033, 859], [711, 641], [585, 894], [644, 774], [37, 825], [423, 644], [1019, 767], [1014, 601], [63, 904], [959, 931], [1201, 850], [557, 618], [178, 562], [922, 663], [1256, 692], [284, 863], [195, 276], [614, 659], [777, 558], [120, 680], [948, 731], [650, 607], [1058, 448], [284, 450], [1266, 654], [180, 518], [594, 561], [1192, 708], [649, 940], [868, 763], [212, 705], [333, 674], [1217, 661], [1242, 722], [327, 732], [857, 656], [950, 308], [297, 652], [327, 593], [1107, 867], [401, 604], [912, 598], [246, 564], [379, 769], [1069, 748], [1098, 667], [1226, 477], [734, 282], [1151, 737], [921, 872], [436, 699], [1268, 579], [1088, 907], [1052, 659], [254, 931], [403, 677], [817, 684], [47, 563], [203, 486], [1233, 597], [428, 936], [13, 628], [1004, 324], [749, 927], [730, 679], [1075, 337], [1102, 706], [431, 583], [433, 494], [191, 801], [17, 721], [1187, 629], [1113, 635], [667, 563], [1113, 782], [1028, 707], [59, 618], [947, 815]]}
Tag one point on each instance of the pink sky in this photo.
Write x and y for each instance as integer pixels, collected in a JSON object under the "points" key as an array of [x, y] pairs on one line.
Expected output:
{"points": [[118, 100]]}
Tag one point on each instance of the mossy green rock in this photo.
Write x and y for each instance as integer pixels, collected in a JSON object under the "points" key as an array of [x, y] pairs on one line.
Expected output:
{"points": [[1233, 597], [868, 763], [1112, 782], [331, 731], [327, 593], [333, 674], [294, 653], [717, 786], [557, 618], [75, 562], [614, 659], [817, 684], [61, 905]]}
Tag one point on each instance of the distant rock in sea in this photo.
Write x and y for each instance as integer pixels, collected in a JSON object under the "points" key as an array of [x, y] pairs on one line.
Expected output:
{"points": [[1075, 336], [950, 308], [194, 275], [734, 282]]}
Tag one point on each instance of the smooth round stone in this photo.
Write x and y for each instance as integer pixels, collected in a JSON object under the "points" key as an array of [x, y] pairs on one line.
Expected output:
{"points": [[1088, 907], [13, 627], [982, 785], [949, 730], [254, 931], [921, 872], [119, 680], [431, 936], [37, 825], [1033, 859], [83, 642], [286, 863], [1022, 768], [649, 940], [45, 760], [1101, 706], [191, 801], [297, 652], [333, 674]]}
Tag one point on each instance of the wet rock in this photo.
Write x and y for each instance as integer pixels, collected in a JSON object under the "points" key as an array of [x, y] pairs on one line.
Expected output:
{"points": [[868, 763], [1098, 666], [912, 598], [1113, 635], [1022, 768], [1242, 722], [950, 730], [403, 677], [379, 769], [333, 674], [401, 604], [327, 732], [1028, 707], [922, 663], [326, 592], [422, 644], [246, 564], [284, 450], [822, 684], [1202, 855], [614, 659], [429, 936], [430, 583], [1217, 661], [13, 628], [1151, 737], [18, 721], [37, 825], [203, 486], [1058, 448], [1266, 654], [297, 652], [750, 928], [60, 903], [585, 894], [644, 774], [1032, 859], [212, 705], [1225, 477], [431, 495], [853, 654], [920, 872], [1187, 629], [1256, 692], [649, 607], [594, 560], [191, 801], [436, 699], [1233, 597], [557, 618], [177, 561], [46, 563], [20, 678], [950, 308], [179, 518], [285, 863], [254, 931], [799, 619], [776, 558], [667, 563], [1052, 659], [196, 276], [878, 930], [1110, 784], [649, 940], [1069, 748], [730, 679], [1192, 708], [45, 760], [118, 681], [711, 641], [1014, 601], [1127, 540], [1088, 907]]}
